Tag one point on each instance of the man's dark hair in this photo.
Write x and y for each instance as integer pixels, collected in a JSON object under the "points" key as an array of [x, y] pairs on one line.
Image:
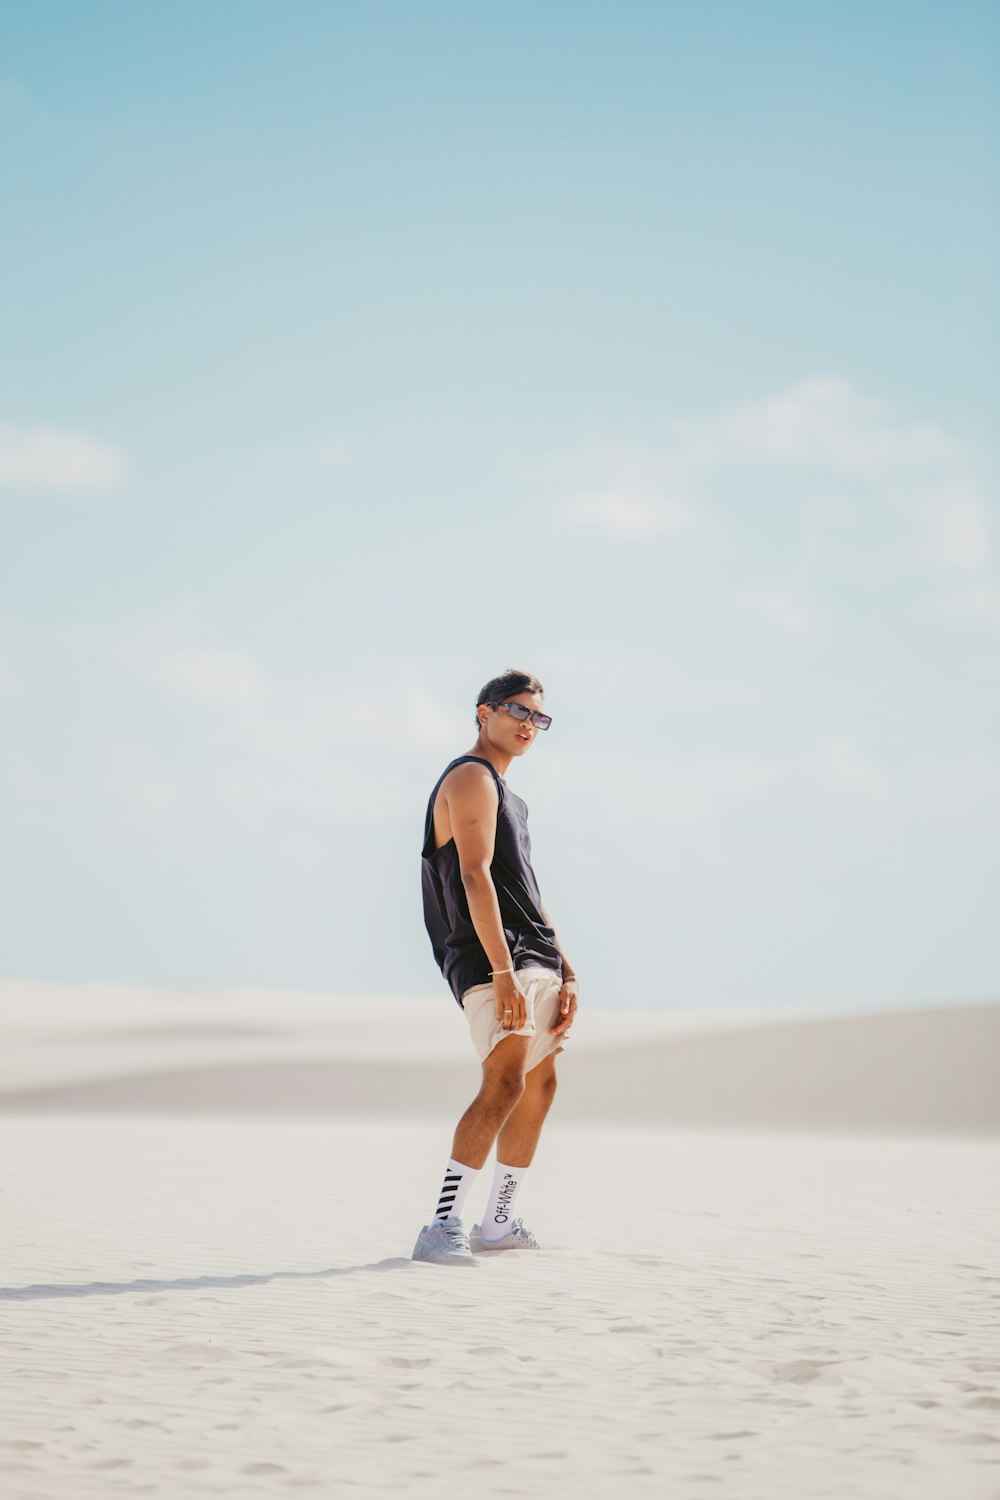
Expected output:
{"points": [[507, 685]]}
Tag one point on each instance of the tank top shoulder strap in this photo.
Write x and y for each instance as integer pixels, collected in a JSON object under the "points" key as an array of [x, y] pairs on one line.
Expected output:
{"points": [[479, 760], [461, 760]]}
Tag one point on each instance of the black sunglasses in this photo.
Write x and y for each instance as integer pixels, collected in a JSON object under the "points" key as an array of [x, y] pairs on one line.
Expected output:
{"points": [[519, 712]]}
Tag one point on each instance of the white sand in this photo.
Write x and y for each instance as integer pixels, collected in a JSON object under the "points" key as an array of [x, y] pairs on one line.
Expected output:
{"points": [[201, 1304]]}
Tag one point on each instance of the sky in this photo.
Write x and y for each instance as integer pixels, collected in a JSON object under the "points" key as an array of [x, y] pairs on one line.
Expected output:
{"points": [[351, 354]]}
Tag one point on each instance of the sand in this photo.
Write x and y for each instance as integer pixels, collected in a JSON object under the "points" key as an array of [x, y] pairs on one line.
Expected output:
{"points": [[209, 1293]]}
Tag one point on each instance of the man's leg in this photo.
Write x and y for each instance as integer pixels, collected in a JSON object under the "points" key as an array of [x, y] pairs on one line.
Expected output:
{"points": [[519, 1135], [444, 1240], [500, 1095], [515, 1152]]}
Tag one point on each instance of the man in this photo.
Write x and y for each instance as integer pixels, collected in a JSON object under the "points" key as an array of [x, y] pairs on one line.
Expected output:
{"points": [[497, 948]]}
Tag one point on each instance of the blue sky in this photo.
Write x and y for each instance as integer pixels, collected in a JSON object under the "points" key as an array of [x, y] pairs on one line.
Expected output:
{"points": [[352, 353]]}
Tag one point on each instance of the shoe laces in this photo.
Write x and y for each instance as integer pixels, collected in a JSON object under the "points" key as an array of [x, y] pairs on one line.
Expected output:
{"points": [[455, 1234], [524, 1234]]}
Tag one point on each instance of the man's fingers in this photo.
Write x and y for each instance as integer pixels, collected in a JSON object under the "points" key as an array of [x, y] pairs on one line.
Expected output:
{"points": [[511, 1006]]}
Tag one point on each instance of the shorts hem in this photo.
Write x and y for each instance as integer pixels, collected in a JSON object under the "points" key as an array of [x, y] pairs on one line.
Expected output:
{"points": [[542, 987]]}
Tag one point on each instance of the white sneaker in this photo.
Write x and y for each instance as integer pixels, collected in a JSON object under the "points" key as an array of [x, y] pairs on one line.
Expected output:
{"points": [[517, 1238], [444, 1242]]}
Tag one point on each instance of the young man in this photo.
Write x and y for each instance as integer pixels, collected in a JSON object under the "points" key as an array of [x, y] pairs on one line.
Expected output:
{"points": [[497, 948]]}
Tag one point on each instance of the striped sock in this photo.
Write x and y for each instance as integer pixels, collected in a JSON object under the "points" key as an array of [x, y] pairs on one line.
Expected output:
{"points": [[458, 1180]]}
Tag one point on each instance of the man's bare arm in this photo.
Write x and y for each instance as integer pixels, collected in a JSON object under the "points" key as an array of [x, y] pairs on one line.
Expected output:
{"points": [[472, 802]]}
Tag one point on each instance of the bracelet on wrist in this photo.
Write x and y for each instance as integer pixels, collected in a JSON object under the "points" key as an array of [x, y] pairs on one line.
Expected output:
{"points": [[502, 971]]}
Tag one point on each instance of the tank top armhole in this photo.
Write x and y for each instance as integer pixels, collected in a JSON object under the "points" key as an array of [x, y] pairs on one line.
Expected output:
{"points": [[427, 852]]}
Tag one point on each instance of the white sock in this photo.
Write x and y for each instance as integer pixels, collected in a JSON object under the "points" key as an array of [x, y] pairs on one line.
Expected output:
{"points": [[498, 1220], [458, 1180]]}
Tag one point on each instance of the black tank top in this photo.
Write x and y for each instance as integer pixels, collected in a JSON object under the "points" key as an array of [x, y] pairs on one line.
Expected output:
{"points": [[459, 953]]}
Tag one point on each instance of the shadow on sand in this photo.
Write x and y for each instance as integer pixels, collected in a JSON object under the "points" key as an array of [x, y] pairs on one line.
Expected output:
{"points": [[42, 1291]]}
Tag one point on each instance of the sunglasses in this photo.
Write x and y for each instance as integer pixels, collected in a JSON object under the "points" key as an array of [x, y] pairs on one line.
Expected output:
{"points": [[519, 712]]}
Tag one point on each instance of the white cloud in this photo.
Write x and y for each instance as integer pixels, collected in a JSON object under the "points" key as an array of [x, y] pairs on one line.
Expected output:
{"points": [[359, 720], [294, 753], [232, 743], [59, 460], [626, 491], [647, 788], [975, 604], [821, 423], [783, 610], [838, 763], [154, 795], [819, 450], [628, 514], [831, 776], [951, 526], [210, 675]]}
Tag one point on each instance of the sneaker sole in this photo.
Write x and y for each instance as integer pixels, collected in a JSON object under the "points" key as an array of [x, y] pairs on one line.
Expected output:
{"points": [[444, 1260], [482, 1248]]}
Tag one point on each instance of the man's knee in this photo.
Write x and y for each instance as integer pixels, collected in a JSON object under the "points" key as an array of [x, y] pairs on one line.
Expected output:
{"points": [[542, 1081], [504, 1087], [503, 1073]]}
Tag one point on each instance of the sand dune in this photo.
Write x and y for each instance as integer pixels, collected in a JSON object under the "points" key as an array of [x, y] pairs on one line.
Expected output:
{"points": [[928, 1070]]}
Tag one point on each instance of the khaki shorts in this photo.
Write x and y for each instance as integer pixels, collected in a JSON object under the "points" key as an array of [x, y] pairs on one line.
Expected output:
{"points": [[541, 989]]}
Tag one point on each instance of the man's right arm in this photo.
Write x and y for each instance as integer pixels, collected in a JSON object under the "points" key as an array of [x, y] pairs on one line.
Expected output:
{"points": [[472, 802]]}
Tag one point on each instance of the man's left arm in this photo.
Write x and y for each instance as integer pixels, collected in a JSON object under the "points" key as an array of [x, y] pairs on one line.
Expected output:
{"points": [[569, 994]]}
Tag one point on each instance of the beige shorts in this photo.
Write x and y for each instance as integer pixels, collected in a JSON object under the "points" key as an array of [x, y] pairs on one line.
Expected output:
{"points": [[541, 989]]}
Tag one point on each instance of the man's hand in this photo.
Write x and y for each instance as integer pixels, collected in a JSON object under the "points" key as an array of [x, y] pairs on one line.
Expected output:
{"points": [[510, 1004], [568, 1001]]}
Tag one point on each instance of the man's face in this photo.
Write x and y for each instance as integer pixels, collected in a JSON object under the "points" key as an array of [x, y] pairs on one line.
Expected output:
{"points": [[507, 733]]}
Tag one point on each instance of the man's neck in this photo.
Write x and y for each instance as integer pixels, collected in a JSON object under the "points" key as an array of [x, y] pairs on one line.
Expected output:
{"points": [[485, 751]]}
